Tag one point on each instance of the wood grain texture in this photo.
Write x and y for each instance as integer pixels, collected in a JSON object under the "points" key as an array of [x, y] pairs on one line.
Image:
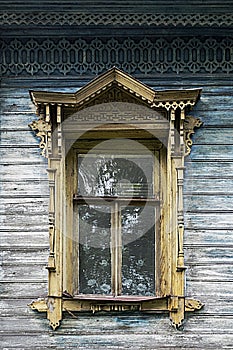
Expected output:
{"points": [[127, 7], [208, 239]]}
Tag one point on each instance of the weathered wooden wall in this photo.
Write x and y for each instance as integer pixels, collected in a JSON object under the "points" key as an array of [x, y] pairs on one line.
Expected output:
{"points": [[59, 45], [208, 236]]}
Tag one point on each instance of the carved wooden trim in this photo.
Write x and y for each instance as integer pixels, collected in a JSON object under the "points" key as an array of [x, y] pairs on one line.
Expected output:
{"points": [[39, 305], [42, 129], [193, 305], [157, 305], [117, 19], [170, 110], [190, 124], [69, 58]]}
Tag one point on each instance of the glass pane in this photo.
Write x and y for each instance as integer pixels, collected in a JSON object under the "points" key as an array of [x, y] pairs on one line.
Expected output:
{"points": [[106, 175], [94, 249], [138, 250]]}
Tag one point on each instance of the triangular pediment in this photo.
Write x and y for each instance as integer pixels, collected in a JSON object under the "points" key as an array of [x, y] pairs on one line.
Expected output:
{"points": [[116, 85], [113, 85]]}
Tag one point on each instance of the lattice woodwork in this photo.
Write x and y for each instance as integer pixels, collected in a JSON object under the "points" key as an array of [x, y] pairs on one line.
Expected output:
{"points": [[116, 19], [63, 57]]}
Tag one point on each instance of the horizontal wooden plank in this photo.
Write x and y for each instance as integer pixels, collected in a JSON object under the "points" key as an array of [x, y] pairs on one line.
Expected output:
{"points": [[209, 255], [29, 187], [209, 185], [18, 103], [20, 205], [215, 102], [18, 137], [212, 152], [208, 237], [12, 120], [101, 342], [16, 155], [12, 273], [208, 220], [216, 136], [207, 168], [211, 289], [23, 220], [214, 201], [24, 256], [29, 290], [216, 307], [28, 227], [23, 239], [29, 171], [98, 332], [24, 227], [17, 307], [217, 117], [209, 272]]}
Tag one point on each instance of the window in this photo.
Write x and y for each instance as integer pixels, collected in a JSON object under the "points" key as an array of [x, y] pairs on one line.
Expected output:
{"points": [[115, 154], [115, 210]]}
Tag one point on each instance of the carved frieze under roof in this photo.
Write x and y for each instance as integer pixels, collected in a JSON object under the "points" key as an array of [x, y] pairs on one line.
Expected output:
{"points": [[116, 19], [148, 56]]}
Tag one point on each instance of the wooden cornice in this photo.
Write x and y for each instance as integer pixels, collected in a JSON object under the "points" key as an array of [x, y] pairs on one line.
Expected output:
{"points": [[116, 77]]}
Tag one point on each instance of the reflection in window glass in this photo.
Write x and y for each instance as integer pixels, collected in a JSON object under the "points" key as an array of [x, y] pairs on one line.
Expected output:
{"points": [[103, 224], [138, 251], [105, 175], [94, 250]]}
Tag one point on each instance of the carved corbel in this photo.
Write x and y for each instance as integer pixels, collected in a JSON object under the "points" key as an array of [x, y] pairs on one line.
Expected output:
{"points": [[42, 129], [51, 305], [190, 123], [39, 305], [193, 305]]}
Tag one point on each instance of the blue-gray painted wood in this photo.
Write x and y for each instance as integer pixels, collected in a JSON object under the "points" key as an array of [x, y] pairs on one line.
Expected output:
{"points": [[208, 237]]}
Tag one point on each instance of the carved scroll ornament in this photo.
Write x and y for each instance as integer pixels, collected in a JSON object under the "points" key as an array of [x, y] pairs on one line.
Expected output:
{"points": [[190, 124], [41, 127]]}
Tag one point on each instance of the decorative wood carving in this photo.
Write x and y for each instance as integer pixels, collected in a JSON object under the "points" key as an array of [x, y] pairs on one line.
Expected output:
{"points": [[192, 304], [142, 19], [69, 57], [169, 116], [190, 124], [42, 129]]}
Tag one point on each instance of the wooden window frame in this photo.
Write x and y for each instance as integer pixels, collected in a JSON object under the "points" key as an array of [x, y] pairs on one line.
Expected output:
{"points": [[168, 122], [153, 200]]}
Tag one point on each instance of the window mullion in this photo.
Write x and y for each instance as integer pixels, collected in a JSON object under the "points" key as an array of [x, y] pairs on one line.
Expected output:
{"points": [[116, 250], [119, 250]]}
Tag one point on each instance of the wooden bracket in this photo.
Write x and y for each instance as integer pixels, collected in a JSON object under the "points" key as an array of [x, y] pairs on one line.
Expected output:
{"points": [[193, 305], [190, 123], [42, 129], [39, 305]]}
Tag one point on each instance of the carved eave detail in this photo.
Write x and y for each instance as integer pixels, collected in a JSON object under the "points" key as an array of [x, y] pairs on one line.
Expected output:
{"points": [[167, 100]]}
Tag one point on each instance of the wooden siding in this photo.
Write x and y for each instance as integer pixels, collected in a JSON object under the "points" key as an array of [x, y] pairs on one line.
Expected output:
{"points": [[208, 237], [116, 6]]}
